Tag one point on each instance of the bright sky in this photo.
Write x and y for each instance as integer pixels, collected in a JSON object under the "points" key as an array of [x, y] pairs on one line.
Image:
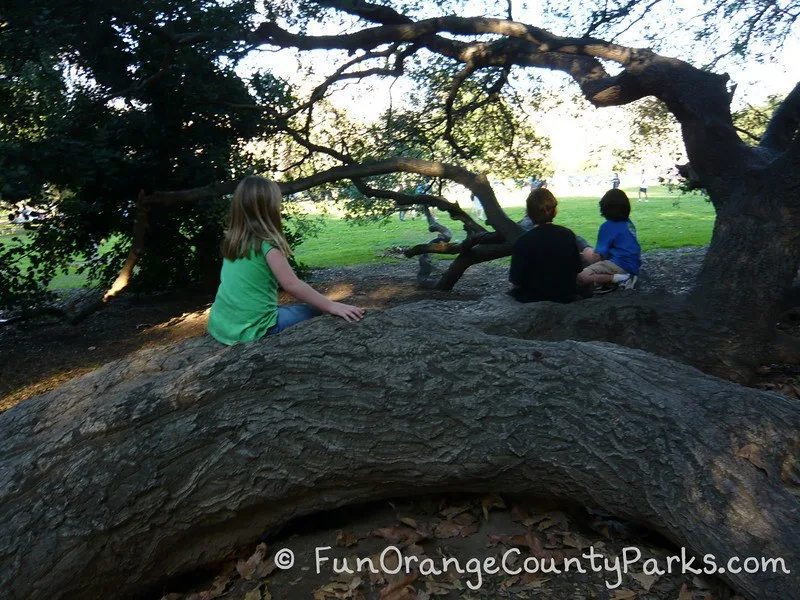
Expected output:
{"points": [[755, 81], [367, 99]]}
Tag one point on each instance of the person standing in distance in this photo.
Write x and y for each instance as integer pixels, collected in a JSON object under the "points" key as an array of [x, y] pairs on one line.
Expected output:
{"points": [[643, 187]]}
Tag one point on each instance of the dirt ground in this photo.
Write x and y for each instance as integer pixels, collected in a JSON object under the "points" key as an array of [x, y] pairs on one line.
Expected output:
{"points": [[36, 357]]}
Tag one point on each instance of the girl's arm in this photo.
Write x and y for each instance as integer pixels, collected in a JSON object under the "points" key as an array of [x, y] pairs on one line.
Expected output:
{"points": [[305, 293]]}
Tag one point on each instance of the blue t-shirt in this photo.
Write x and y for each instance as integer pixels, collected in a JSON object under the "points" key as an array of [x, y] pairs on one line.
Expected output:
{"points": [[616, 241]]}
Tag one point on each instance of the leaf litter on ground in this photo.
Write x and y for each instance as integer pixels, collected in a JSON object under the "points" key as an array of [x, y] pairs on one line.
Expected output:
{"points": [[461, 528]]}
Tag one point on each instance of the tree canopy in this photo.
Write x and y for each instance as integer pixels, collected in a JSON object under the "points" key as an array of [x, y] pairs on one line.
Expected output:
{"points": [[105, 108]]}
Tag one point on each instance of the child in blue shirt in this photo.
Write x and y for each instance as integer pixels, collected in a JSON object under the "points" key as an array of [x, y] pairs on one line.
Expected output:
{"points": [[617, 256]]}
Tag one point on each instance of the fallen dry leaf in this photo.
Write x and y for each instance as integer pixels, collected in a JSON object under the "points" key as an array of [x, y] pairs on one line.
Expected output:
{"points": [[265, 568], [552, 519], [355, 582], [247, 568], [519, 513], [469, 530], [463, 525], [346, 539], [408, 521], [438, 588], [253, 595], [379, 578], [336, 590], [646, 581], [452, 511], [623, 595], [527, 540], [400, 589], [397, 533], [489, 502], [423, 529], [509, 581], [493, 540], [447, 529], [406, 593], [534, 543], [574, 540], [753, 453], [216, 590], [685, 593], [465, 519], [527, 582]]}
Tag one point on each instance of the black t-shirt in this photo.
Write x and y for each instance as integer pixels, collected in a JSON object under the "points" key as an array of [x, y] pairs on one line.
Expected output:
{"points": [[544, 265]]}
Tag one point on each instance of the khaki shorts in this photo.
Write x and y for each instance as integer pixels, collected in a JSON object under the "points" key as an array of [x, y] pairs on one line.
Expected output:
{"points": [[604, 267]]}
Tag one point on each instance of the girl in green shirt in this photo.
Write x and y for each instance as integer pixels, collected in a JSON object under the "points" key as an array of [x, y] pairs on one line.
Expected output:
{"points": [[254, 262]]}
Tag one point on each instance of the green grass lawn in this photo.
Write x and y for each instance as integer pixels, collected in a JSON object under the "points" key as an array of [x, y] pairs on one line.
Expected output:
{"points": [[69, 278], [667, 221]]}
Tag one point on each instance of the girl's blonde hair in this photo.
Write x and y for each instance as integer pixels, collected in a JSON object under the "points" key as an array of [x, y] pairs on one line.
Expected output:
{"points": [[255, 217]]}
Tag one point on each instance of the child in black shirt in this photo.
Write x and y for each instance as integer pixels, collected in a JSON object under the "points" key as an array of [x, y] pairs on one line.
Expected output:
{"points": [[545, 260]]}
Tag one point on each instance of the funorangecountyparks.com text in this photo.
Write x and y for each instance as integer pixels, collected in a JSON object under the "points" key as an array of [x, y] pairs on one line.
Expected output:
{"points": [[392, 561]]}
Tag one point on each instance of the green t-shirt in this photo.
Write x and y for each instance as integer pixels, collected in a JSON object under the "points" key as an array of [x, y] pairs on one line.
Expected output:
{"points": [[246, 305]]}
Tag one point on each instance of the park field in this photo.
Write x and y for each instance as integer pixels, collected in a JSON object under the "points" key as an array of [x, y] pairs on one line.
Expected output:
{"points": [[667, 220]]}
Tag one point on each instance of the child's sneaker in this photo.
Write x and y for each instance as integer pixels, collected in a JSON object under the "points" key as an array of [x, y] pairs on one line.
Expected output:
{"points": [[599, 290], [629, 283]]}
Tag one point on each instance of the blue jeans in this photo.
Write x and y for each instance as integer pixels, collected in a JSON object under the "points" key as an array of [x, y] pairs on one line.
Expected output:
{"points": [[292, 315]]}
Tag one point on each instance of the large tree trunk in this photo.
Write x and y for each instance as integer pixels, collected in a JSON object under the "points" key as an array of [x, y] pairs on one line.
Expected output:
{"points": [[172, 458], [752, 260]]}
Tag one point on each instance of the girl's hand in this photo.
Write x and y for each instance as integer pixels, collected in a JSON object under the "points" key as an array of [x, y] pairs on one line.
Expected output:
{"points": [[283, 272], [349, 313]]}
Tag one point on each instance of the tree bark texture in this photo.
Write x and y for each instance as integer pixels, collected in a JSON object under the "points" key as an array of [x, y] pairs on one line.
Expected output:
{"points": [[667, 325], [753, 256], [173, 457]]}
